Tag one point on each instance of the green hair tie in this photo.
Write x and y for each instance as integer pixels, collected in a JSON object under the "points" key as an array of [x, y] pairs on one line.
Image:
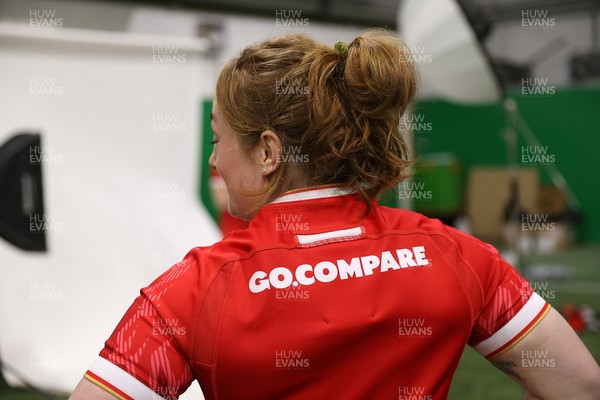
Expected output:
{"points": [[341, 48]]}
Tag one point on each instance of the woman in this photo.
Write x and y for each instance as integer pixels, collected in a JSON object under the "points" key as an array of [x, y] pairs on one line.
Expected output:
{"points": [[326, 294]]}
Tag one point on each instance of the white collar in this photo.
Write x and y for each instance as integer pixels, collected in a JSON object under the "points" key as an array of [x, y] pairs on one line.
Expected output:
{"points": [[310, 194]]}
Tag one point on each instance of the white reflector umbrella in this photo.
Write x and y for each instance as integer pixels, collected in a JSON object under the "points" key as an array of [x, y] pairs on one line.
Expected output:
{"points": [[457, 68]]}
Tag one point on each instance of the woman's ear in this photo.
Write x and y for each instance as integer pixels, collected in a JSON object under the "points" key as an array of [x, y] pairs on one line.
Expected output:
{"points": [[269, 152]]}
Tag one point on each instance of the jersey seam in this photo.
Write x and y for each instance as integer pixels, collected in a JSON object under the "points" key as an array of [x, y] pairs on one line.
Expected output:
{"points": [[218, 333]]}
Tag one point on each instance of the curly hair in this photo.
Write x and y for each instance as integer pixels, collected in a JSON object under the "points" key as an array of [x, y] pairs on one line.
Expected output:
{"points": [[342, 109]]}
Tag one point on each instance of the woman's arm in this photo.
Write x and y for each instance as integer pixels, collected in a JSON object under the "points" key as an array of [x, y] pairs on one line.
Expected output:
{"points": [[551, 362], [86, 390]]}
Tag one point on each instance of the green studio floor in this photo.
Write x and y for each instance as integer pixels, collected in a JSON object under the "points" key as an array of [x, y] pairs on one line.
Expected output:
{"points": [[475, 378]]}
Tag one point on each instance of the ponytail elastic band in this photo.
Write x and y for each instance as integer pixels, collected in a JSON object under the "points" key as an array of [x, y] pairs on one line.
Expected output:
{"points": [[341, 48]]}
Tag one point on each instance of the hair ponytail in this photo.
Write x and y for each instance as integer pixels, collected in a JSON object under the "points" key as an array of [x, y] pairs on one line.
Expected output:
{"points": [[355, 107]]}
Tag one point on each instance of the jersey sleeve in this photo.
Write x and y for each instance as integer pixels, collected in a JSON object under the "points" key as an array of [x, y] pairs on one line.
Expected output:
{"points": [[507, 307], [146, 357]]}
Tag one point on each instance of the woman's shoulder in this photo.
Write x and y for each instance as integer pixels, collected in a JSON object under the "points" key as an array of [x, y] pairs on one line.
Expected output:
{"points": [[412, 222], [399, 218], [231, 247]]}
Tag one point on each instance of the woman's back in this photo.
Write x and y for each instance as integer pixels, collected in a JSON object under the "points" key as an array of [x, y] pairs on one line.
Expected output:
{"points": [[313, 300]]}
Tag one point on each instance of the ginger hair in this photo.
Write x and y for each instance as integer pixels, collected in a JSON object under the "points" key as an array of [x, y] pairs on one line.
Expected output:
{"points": [[342, 110]]}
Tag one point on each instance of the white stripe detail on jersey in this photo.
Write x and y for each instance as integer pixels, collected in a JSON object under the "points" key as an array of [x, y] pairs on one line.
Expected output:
{"points": [[122, 380], [313, 194], [325, 236], [515, 326]]}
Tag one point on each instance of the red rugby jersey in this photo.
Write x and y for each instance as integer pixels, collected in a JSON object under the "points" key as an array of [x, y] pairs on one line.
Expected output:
{"points": [[315, 301]]}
